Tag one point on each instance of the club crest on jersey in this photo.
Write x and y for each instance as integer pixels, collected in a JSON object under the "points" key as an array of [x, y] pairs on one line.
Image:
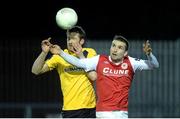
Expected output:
{"points": [[124, 65]]}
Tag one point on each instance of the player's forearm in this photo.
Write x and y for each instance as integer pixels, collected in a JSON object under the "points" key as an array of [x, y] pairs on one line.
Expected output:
{"points": [[72, 60], [153, 60], [39, 63]]}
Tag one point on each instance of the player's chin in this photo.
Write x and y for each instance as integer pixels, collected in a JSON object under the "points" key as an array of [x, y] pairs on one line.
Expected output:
{"points": [[114, 58]]}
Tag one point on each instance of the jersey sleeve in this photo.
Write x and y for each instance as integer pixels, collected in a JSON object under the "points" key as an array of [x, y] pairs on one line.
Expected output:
{"points": [[53, 62], [87, 64], [91, 63], [93, 53], [140, 64]]}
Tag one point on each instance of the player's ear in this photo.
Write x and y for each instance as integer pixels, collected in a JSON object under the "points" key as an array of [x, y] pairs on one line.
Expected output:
{"points": [[82, 41]]}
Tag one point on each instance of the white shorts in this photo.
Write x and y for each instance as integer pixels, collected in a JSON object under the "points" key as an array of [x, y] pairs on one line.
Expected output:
{"points": [[112, 114]]}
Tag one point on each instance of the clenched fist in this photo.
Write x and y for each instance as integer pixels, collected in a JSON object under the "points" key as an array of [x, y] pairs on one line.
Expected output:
{"points": [[46, 45], [55, 49]]}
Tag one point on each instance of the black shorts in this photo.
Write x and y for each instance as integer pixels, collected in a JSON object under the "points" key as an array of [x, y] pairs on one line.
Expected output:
{"points": [[81, 113]]}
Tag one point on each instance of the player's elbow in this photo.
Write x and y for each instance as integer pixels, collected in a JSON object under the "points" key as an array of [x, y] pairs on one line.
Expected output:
{"points": [[156, 65], [35, 72], [92, 75], [93, 78]]}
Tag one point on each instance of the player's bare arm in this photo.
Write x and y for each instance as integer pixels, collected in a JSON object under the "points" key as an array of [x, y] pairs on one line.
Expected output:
{"points": [[39, 65]]}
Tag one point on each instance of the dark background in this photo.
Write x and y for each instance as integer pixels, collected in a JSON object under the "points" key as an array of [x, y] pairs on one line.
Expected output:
{"points": [[149, 19], [24, 24]]}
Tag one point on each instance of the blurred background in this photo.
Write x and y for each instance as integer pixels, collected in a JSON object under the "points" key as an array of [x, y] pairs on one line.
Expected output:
{"points": [[24, 24]]}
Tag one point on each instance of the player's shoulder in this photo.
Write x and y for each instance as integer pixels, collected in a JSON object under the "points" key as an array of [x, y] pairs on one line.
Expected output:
{"points": [[89, 52], [104, 57], [55, 57], [129, 57], [133, 59], [66, 50], [89, 49]]}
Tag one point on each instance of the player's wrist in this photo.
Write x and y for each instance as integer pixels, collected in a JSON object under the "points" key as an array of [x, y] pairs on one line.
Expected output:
{"points": [[81, 55], [45, 52], [60, 52]]}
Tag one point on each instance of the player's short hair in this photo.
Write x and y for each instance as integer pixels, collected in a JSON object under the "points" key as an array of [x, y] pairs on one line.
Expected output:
{"points": [[77, 29], [122, 39]]}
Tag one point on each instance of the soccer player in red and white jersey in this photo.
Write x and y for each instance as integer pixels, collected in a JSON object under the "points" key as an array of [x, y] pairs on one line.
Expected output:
{"points": [[115, 74]]}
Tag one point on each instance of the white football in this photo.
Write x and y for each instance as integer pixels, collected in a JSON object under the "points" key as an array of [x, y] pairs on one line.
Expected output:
{"points": [[66, 18]]}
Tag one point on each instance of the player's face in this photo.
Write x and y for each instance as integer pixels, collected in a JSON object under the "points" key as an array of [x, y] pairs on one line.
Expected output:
{"points": [[117, 51], [73, 38]]}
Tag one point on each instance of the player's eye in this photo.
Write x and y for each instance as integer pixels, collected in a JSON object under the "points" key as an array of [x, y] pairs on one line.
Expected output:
{"points": [[113, 45], [120, 47]]}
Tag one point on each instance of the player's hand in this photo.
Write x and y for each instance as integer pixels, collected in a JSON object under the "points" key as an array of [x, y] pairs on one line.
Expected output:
{"points": [[147, 48], [55, 49], [45, 45], [77, 49]]}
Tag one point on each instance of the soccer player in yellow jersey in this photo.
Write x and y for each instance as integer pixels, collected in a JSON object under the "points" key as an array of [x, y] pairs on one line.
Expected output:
{"points": [[78, 92]]}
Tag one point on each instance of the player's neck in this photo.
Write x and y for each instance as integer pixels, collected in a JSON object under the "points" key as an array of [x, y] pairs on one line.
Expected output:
{"points": [[116, 62]]}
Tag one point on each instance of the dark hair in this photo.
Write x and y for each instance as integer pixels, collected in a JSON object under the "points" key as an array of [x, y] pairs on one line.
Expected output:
{"points": [[77, 29], [122, 39]]}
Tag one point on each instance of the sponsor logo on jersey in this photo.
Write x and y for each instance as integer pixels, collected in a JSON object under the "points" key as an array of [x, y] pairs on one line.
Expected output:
{"points": [[73, 69], [115, 72]]}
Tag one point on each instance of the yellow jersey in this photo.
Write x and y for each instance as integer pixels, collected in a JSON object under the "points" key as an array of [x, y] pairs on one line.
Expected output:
{"points": [[77, 89]]}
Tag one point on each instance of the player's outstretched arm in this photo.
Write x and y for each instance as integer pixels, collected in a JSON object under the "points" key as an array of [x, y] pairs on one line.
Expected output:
{"points": [[153, 62], [56, 50], [88, 64]]}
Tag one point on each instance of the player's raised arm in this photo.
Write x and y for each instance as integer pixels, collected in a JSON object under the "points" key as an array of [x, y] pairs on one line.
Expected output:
{"points": [[150, 63], [151, 58], [39, 65]]}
